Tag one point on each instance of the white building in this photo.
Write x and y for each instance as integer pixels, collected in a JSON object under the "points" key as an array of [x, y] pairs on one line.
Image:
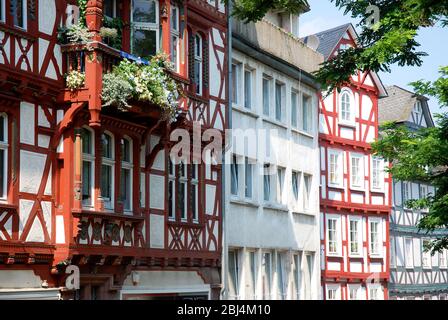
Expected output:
{"points": [[272, 198]]}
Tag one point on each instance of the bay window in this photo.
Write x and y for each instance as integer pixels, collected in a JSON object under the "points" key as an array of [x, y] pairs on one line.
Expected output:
{"points": [[19, 13], [198, 63], [126, 173], [175, 37], [375, 237], [88, 166], [107, 170], [145, 28], [3, 156], [355, 236]]}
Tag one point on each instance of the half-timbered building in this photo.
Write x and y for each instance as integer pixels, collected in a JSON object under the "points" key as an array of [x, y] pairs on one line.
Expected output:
{"points": [[94, 187], [354, 188], [271, 225], [414, 272]]}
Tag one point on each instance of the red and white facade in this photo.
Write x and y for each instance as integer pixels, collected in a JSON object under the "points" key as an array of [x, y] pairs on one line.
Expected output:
{"points": [[355, 190], [90, 187]]}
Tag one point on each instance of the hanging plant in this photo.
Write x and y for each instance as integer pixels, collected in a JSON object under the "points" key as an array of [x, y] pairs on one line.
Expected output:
{"points": [[150, 83], [82, 4], [75, 80], [111, 37]]}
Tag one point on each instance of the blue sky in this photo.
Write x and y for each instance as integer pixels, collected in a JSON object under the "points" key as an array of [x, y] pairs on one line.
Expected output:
{"points": [[434, 41]]}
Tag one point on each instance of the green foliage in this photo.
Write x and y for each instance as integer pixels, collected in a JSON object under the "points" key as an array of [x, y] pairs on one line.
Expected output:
{"points": [[79, 33], [117, 24], [149, 83], [255, 10], [391, 40], [422, 155], [82, 4]]}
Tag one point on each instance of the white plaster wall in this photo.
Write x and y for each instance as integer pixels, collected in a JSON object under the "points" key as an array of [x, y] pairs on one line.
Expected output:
{"points": [[157, 231]]}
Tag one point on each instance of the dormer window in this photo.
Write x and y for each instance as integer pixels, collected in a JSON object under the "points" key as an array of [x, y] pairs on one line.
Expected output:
{"points": [[145, 28], [418, 112]]}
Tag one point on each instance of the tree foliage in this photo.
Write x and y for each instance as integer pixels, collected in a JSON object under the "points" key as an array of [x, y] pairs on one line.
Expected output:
{"points": [[255, 10]]}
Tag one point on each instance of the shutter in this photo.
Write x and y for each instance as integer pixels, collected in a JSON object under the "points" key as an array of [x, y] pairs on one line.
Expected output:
{"points": [[205, 62], [191, 57]]}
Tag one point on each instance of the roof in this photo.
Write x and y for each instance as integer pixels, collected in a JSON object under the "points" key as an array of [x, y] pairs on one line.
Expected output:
{"points": [[397, 107], [328, 41]]}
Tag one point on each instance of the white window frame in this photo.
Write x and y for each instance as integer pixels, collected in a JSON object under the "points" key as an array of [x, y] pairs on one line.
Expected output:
{"points": [[90, 159], [280, 184], [306, 189], [175, 37], [357, 288], [380, 239], [4, 145], [408, 256], [336, 289], [152, 26], [128, 165], [114, 13], [306, 118], [351, 113], [359, 236], [377, 170], [269, 81], [236, 83], [110, 162], [195, 186], [24, 15], [198, 58], [2, 13], [248, 91], [235, 276], [417, 111], [443, 259], [338, 168], [338, 235], [426, 256], [357, 182], [172, 182], [183, 179]]}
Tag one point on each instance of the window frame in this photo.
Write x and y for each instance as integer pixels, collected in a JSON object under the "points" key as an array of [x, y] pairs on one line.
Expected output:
{"points": [[248, 167], [110, 162], [379, 233], [426, 255], [361, 172], [236, 80], [24, 15], [2, 11], [339, 168], [279, 89], [267, 183], [359, 236], [175, 35], [380, 173], [280, 184], [89, 158], [266, 95], [417, 111], [306, 189], [409, 255], [146, 26], [234, 176], [333, 287], [4, 145], [235, 276], [200, 60], [338, 235], [357, 288], [351, 107], [127, 165]]}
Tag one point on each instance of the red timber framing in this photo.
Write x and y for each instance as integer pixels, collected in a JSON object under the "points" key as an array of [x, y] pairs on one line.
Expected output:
{"points": [[46, 222], [350, 198]]}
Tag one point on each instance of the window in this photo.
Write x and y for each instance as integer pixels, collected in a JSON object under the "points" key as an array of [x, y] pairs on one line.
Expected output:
{"points": [[183, 189], [107, 170], [236, 83], [333, 242], [266, 275], [233, 274], [355, 236], [198, 63], [175, 35], [417, 112], [294, 111], [442, 258], [247, 89], [281, 285], [306, 191], [423, 193], [279, 101], [307, 113], [251, 272], [171, 190], [110, 8], [2, 10], [357, 171], [234, 176], [126, 173], [346, 112], [442, 296], [332, 292], [19, 13], [248, 178], [409, 258], [295, 185], [267, 183], [375, 237], [407, 194], [3, 156], [377, 170], [308, 275], [145, 31], [280, 181], [266, 95], [335, 166], [426, 255], [296, 270], [353, 292], [195, 192], [375, 292], [393, 257]]}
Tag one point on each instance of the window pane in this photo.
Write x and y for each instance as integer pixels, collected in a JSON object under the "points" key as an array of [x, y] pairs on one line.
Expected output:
{"points": [[248, 179], [174, 18], [144, 43], [233, 270], [108, 8], [182, 208], [306, 113], [278, 101], [171, 209], [247, 89], [234, 177], [174, 51], [294, 109], [266, 276], [86, 183], [106, 182], [17, 10], [234, 83], [267, 183], [266, 96], [107, 146], [126, 150], [125, 187], [197, 75], [306, 191], [86, 138], [295, 185], [144, 11], [194, 206], [2, 125], [2, 173]]}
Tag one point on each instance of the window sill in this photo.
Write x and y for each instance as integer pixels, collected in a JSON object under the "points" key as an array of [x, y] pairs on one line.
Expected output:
{"points": [[355, 256], [376, 256], [303, 133], [275, 122], [336, 186], [360, 189], [375, 190], [246, 202], [426, 267], [334, 255], [249, 112], [304, 212], [345, 123], [278, 207]]}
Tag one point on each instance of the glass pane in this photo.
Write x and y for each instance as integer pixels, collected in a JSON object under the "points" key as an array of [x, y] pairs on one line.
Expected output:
{"points": [[294, 109], [125, 187], [86, 138], [17, 10], [174, 51], [306, 114], [248, 179], [197, 75], [86, 183], [107, 146], [278, 101], [233, 271], [106, 182], [266, 97], [174, 18], [267, 184], [144, 43], [235, 84], [126, 150], [182, 189], [194, 195], [247, 89], [2, 124], [108, 8], [2, 173], [170, 199], [144, 11], [198, 46]]}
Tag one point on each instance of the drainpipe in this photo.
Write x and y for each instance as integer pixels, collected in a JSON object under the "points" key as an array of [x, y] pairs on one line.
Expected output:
{"points": [[224, 290]]}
